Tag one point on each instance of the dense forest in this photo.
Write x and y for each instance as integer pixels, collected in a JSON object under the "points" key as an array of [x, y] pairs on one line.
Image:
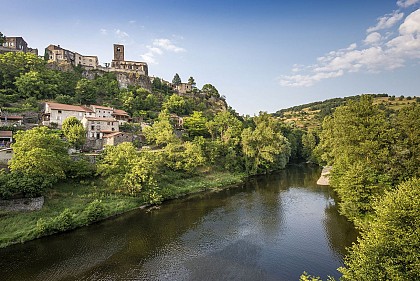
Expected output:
{"points": [[374, 152]]}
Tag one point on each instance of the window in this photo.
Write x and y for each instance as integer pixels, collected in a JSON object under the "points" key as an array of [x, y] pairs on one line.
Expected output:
{"points": [[59, 112], [108, 123], [92, 128], [80, 114], [113, 129]]}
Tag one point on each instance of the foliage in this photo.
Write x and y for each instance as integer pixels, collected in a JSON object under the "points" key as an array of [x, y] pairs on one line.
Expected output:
{"points": [[40, 85], [85, 91], [370, 150], [225, 127], [265, 148], [74, 132], [178, 105], [195, 124], [2, 39], [210, 91], [39, 152], [191, 81], [186, 157], [176, 80], [389, 248], [161, 132], [15, 64], [94, 211]]}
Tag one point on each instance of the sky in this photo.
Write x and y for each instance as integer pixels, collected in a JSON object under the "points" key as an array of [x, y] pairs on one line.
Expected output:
{"points": [[262, 55]]}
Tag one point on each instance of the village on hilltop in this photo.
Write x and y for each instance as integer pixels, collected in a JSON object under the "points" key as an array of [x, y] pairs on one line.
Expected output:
{"points": [[102, 123]]}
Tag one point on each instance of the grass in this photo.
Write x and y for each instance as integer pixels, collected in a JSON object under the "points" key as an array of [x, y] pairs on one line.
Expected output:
{"points": [[70, 205]]}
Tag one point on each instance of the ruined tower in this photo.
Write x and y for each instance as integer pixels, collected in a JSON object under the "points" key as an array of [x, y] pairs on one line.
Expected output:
{"points": [[118, 52]]}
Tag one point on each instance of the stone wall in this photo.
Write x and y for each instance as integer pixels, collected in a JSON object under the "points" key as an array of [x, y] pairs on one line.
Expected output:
{"points": [[23, 204]]}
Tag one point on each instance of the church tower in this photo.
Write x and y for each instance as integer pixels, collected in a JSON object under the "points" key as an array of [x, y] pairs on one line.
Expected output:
{"points": [[118, 52]]}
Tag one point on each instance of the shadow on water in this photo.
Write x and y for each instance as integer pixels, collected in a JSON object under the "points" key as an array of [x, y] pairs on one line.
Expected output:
{"points": [[271, 228]]}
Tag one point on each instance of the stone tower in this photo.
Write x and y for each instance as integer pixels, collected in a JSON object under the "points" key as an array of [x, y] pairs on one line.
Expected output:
{"points": [[118, 52]]}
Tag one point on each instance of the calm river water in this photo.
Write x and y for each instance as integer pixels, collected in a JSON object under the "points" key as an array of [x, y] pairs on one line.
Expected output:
{"points": [[272, 228]]}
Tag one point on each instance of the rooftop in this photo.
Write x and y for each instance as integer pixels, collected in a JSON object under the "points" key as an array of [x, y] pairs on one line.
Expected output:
{"points": [[61, 106]]}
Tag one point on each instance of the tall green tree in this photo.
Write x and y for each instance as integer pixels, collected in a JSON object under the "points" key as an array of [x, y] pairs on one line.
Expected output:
{"points": [[86, 92], [389, 248], [161, 132], [40, 152], [195, 124], [15, 64], [176, 80], [210, 91], [40, 85], [191, 81], [225, 127], [265, 148], [74, 132]]}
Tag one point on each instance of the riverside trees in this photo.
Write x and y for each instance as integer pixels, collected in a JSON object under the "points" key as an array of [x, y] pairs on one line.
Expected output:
{"points": [[375, 158]]}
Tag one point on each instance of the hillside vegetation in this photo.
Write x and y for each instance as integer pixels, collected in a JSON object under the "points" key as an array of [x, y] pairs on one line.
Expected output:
{"points": [[310, 115]]}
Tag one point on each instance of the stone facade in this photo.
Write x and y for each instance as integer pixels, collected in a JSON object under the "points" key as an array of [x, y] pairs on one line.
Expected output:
{"points": [[59, 55], [117, 138], [119, 64], [57, 113], [98, 127], [17, 44]]}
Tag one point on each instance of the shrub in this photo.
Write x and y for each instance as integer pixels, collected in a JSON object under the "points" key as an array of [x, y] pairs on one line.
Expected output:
{"points": [[94, 211]]}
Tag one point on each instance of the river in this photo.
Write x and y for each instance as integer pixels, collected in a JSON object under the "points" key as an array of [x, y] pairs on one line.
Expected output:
{"points": [[271, 228]]}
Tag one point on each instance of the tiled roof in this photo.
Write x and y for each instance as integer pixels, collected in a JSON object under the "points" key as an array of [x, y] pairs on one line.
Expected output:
{"points": [[68, 107], [101, 107], [112, 134], [120, 112], [101, 119], [11, 117], [6, 134]]}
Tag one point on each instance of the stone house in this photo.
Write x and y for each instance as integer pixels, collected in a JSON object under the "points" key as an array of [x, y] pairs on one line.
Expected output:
{"points": [[17, 44], [117, 138], [121, 115], [10, 120], [58, 112], [58, 54], [102, 111], [6, 138], [98, 127], [183, 88]]}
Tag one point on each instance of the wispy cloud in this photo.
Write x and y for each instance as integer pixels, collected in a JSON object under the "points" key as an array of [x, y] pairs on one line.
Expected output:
{"points": [[387, 21], [103, 31], [380, 52], [159, 47], [121, 34], [407, 3]]}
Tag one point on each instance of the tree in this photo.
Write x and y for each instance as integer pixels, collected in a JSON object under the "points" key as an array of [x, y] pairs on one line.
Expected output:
{"points": [[176, 80], [40, 85], [196, 124], [14, 64], [2, 39], [225, 127], [265, 148], [86, 91], [161, 132], [176, 104], [74, 132], [186, 157], [358, 140], [191, 81], [389, 248], [210, 91], [40, 152]]}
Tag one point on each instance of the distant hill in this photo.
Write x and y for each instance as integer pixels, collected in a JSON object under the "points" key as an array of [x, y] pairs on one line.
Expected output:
{"points": [[310, 115]]}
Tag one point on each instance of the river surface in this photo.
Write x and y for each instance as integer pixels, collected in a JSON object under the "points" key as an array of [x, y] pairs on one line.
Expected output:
{"points": [[271, 228]]}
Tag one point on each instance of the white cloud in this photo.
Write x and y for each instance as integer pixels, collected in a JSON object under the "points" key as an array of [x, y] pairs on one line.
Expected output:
{"points": [[121, 34], [407, 3], [167, 45], [387, 21], [103, 31], [381, 53], [132, 22], [373, 38], [158, 48]]}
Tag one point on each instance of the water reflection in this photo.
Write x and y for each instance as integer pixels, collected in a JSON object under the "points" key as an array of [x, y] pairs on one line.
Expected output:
{"points": [[272, 228]]}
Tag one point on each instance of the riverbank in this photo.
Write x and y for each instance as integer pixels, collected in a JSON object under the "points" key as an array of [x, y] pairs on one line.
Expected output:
{"points": [[71, 205]]}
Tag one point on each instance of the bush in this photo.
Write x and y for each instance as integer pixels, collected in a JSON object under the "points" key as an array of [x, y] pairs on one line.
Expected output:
{"points": [[94, 211], [64, 221]]}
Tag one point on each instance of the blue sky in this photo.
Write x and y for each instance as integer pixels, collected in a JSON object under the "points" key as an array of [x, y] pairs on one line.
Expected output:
{"points": [[262, 55]]}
